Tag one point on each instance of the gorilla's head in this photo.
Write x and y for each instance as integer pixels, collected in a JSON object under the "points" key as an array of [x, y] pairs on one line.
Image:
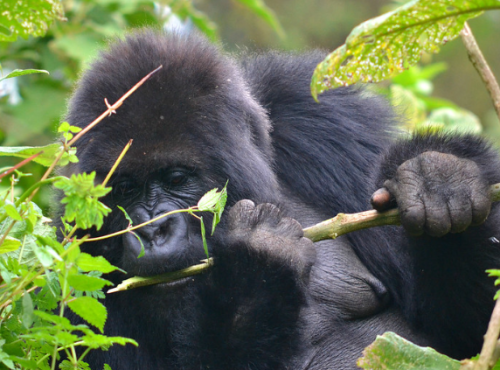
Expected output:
{"points": [[194, 124]]}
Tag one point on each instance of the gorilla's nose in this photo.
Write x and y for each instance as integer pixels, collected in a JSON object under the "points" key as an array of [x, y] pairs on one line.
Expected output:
{"points": [[158, 231]]}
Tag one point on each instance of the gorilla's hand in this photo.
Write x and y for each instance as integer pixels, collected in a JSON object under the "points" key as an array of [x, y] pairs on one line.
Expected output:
{"points": [[278, 240], [436, 193]]}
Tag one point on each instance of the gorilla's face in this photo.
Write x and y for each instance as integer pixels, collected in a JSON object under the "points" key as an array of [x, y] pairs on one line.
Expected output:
{"points": [[170, 243]]}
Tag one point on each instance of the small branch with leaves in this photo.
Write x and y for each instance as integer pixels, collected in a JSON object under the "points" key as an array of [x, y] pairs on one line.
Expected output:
{"points": [[332, 228]]}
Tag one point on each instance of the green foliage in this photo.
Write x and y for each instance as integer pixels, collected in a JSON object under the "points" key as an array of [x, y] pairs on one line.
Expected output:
{"points": [[384, 46], [82, 200], [412, 90], [266, 13], [45, 159], [24, 18], [390, 351], [214, 201], [22, 72]]}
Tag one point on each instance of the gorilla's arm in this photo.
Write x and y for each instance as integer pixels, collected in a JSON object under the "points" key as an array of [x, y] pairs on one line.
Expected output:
{"points": [[435, 266], [259, 282]]}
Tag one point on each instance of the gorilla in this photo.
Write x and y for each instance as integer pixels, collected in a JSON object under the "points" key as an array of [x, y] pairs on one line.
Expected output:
{"points": [[273, 299]]}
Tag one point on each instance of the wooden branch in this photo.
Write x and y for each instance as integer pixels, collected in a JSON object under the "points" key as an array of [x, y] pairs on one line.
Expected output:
{"points": [[345, 223], [490, 341], [138, 281], [482, 67]]}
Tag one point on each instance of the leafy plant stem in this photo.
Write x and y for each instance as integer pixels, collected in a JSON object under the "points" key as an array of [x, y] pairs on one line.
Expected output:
{"points": [[477, 59], [117, 162], [111, 108], [124, 231], [20, 164], [2, 238], [61, 314], [490, 340]]}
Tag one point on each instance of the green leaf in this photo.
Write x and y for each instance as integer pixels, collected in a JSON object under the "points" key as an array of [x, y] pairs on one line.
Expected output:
{"points": [[454, 120], [86, 282], [67, 365], [130, 222], [387, 45], [22, 72], [390, 351], [24, 18], [9, 245], [91, 310], [11, 211], [94, 341], [27, 316], [143, 251], [200, 20], [88, 263], [266, 13], [45, 159], [107, 367], [204, 237]]}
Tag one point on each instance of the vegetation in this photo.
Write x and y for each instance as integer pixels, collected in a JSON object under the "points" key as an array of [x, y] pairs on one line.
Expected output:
{"points": [[40, 277]]}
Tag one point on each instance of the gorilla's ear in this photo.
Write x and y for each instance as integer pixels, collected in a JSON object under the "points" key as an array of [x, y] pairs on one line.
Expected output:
{"points": [[258, 120]]}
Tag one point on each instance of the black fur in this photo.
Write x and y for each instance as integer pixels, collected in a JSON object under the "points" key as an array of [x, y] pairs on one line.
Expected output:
{"points": [[273, 300]]}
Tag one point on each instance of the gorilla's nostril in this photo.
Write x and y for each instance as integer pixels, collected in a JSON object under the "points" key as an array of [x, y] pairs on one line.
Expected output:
{"points": [[163, 229]]}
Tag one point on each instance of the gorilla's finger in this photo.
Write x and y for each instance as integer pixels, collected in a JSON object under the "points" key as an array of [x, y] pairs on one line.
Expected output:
{"points": [[481, 203], [290, 227], [268, 215], [240, 213], [410, 205], [382, 200], [438, 222], [460, 211]]}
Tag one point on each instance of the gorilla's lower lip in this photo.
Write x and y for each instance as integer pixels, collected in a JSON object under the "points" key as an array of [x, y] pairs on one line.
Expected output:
{"points": [[176, 284]]}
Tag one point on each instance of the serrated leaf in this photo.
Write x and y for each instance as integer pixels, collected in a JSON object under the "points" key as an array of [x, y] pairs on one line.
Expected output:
{"points": [[209, 200], [11, 211], [91, 310], [386, 45], [86, 282], [45, 159], [22, 72], [88, 263], [9, 245], [82, 200], [390, 351], [80, 365], [25, 18], [94, 341]]}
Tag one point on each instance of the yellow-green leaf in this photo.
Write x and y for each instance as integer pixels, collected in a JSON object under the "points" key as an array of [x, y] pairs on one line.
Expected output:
{"points": [[387, 45]]}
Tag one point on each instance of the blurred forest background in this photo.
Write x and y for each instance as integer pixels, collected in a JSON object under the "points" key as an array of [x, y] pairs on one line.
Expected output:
{"points": [[32, 106]]}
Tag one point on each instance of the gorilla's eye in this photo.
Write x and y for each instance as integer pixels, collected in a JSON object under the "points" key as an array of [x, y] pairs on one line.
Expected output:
{"points": [[124, 187], [177, 178]]}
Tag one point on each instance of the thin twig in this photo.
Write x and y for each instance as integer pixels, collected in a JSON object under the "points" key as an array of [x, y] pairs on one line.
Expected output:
{"points": [[482, 67], [20, 164]]}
